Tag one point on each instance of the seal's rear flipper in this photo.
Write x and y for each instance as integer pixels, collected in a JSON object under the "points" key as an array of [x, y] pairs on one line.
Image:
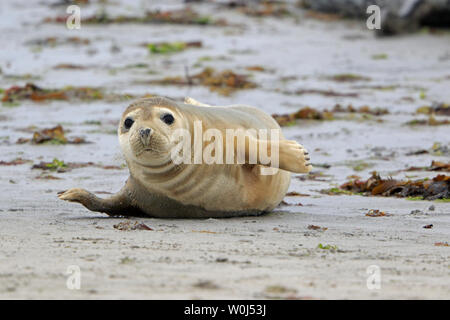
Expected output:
{"points": [[117, 205], [189, 100]]}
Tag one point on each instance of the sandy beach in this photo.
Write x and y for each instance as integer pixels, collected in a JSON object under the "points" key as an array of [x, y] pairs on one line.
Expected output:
{"points": [[313, 246]]}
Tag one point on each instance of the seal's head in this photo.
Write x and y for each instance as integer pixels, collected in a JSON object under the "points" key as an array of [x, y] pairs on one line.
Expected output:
{"points": [[146, 128]]}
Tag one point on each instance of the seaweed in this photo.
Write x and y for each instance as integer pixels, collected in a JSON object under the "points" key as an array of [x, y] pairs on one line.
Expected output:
{"points": [[61, 166], [429, 189], [129, 226], [439, 109], [348, 77], [431, 121], [224, 82], [185, 16], [172, 47], [314, 114], [32, 92], [53, 135]]}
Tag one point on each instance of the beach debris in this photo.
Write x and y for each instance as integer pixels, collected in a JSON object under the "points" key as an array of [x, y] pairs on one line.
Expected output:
{"points": [[327, 247], [266, 9], [172, 47], [442, 244], [379, 56], [296, 194], [323, 16], [47, 177], [53, 135], [314, 176], [224, 82], [417, 152], [437, 149], [204, 231], [309, 113], [363, 109], [206, 284], [318, 228], [57, 41], [303, 113], [32, 92], [279, 289], [428, 189], [335, 191], [69, 66], [185, 16], [431, 121], [129, 226], [435, 166], [14, 162], [326, 93], [439, 109], [377, 213], [60, 166], [256, 68], [127, 260], [348, 77]]}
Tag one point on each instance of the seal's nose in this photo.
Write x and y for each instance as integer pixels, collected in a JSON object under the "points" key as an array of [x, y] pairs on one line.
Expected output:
{"points": [[145, 135], [145, 132]]}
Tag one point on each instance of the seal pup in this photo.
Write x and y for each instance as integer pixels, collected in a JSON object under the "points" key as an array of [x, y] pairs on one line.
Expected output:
{"points": [[160, 187]]}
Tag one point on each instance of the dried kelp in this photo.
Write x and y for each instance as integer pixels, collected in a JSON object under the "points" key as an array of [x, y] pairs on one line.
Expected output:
{"points": [[55, 41], [224, 82], [61, 166], [428, 189], [431, 121], [363, 109], [184, 17], [439, 109], [435, 166], [53, 135], [15, 162], [348, 77], [129, 226], [313, 114], [303, 113], [32, 92], [266, 10], [172, 47]]}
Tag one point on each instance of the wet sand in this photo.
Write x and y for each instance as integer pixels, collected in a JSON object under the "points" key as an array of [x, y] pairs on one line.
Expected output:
{"points": [[273, 256]]}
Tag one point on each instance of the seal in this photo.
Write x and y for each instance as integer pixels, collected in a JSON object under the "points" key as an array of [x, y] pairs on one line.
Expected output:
{"points": [[162, 186]]}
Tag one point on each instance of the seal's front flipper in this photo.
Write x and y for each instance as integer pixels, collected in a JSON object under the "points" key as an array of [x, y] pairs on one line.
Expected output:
{"points": [[117, 205], [191, 101], [293, 157], [287, 155]]}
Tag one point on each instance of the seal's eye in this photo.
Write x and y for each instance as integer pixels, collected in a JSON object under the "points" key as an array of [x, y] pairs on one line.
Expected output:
{"points": [[168, 118], [128, 123]]}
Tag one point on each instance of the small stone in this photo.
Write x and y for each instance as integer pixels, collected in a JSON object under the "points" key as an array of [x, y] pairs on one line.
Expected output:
{"points": [[432, 207]]}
